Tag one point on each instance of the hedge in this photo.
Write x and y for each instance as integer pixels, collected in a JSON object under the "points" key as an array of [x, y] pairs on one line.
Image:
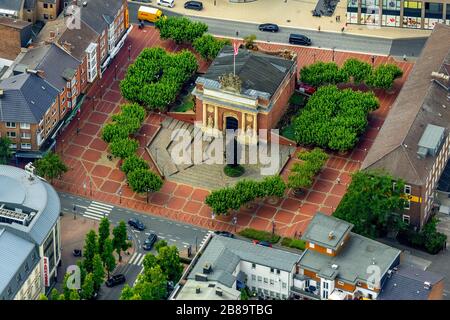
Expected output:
{"points": [[428, 239], [259, 235], [294, 243], [123, 148]]}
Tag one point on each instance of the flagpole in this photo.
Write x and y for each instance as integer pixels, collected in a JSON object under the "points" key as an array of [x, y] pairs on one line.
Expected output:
{"points": [[234, 64]]}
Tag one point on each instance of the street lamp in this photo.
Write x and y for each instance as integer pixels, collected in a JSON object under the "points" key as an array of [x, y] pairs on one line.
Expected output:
{"points": [[78, 126], [101, 92], [120, 196], [273, 227], [115, 72], [235, 223], [129, 52], [333, 53], [148, 191], [74, 211]]}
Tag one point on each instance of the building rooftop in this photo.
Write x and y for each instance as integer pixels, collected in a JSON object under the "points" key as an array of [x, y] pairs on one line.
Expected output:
{"points": [[14, 23], [99, 14], [351, 264], [261, 74], [224, 254], [35, 199], [423, 101], [408, 283], [6, 6], [208, 291], [327, 231], [25, 98]]}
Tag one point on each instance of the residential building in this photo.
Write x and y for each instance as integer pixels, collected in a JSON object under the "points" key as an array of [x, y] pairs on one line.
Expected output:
{"points": [[408, 282], [413, 143], [12, 8], [30, 10], [339, 264], [226, 265], [255, 98], [15, 35], [48, 9], [30, 240], [421, 14]]}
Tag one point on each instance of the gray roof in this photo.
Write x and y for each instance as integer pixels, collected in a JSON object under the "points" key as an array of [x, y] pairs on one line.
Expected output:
{"points": [[54, 61], [36, 195], [98, 14], [322, 225], [26, 97], [407, 283], [14, 253], [419, 103], [224, 254], [11, 5], [260, 73], [353, 259]]}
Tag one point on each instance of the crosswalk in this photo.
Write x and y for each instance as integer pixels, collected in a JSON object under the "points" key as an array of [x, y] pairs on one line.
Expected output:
{"points": [[137, 259], [97, 210]]}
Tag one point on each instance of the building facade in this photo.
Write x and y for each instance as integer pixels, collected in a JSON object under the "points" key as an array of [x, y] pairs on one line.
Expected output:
{"points": [[246, 92], [15, 35], [413, 143], [422, 14], [30, 239]]}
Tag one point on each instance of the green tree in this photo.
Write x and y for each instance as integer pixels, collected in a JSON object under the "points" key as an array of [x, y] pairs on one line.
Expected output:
{"points": [[108, 258], [160, 244], [180, 29], [302, 174], [50, 166], [80, 265], [359, 71], [87, 289], [103, 234], [273, 186], [5, 150], [144, 180], [62, 297], [249, 41], [123, 148], [322, 73], [133, 163], [120, 242], [384, 75], [54, 294], [372, 204], [153, 284], [90, 250], [74, 295], [43, 297], [98, 273], [244, 294], [128, 293], [208, 46], [66, 290], [149, 261], [169, 261]]}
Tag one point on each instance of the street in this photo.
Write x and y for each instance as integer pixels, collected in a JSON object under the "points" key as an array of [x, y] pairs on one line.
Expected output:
{"points": [[327, 40], [175, 233]]}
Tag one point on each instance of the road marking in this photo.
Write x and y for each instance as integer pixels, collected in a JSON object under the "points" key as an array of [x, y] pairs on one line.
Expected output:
{"points": [[187, 227], [185, 243], [173, 240], [161, 237], [139, 263], [178, 224], [97, 210], [86, 215], [103, 204], [80, 206]]}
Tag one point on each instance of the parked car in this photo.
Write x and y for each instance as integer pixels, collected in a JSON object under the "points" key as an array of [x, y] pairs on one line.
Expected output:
{"points": [[268, 27], [77, 252], [305, 88], [135, 223], [115, 280], [166, 3], [224, 234], [193, 5], [263, 243], [299, 39], [150, 241]]}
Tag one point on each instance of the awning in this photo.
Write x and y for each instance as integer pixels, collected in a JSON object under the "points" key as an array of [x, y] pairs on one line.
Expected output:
{"points": [[29, 155]]}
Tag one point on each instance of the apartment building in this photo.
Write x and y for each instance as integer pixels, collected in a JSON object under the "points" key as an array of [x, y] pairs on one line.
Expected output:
{"points": [[30, 241], [31, 10], [339, 264], [414, 143], [422, 14], [15, 35], [227, 265]]}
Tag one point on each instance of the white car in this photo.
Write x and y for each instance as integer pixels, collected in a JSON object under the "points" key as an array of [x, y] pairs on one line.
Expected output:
{"points": [[167, 3]]}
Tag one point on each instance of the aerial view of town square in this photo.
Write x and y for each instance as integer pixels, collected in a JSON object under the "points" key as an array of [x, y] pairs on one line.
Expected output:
{"points": [[242, 151]]}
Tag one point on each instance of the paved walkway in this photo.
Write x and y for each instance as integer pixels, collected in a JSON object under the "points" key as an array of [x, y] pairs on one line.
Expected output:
{"points": [[289, 13], [92, 175]]}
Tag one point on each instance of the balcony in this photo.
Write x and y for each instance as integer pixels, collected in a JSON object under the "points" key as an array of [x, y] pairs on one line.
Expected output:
{"points": [[307, 293]]}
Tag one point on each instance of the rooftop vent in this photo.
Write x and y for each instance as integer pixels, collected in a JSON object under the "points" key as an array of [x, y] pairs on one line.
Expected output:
{"points": [[207, 268], [331, 235], [430, 141], [219, 291], [201, 277], [334, 266], [427, 285], [197, 290], [85, 4]]}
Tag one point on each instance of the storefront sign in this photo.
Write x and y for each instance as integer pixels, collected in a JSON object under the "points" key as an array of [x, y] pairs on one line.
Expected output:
{"points": [[45, 270]]}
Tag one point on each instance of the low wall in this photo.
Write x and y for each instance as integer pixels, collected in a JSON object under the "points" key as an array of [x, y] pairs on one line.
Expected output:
{"points": [[182, 116]]}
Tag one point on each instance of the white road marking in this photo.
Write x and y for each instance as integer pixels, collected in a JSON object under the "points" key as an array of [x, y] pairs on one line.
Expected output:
{"points": [[103, 204], [173, 240], [185, 243]]}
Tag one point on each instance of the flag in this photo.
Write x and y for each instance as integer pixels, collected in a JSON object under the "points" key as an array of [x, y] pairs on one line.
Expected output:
{"points": [[236, 48]]}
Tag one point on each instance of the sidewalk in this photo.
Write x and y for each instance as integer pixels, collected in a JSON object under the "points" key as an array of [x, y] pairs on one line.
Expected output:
{"points": [[288, 13]]}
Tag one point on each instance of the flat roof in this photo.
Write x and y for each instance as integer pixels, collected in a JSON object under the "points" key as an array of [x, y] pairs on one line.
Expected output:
{"points": [[207, 291]]}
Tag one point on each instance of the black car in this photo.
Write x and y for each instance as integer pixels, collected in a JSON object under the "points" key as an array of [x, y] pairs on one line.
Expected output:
{"points": [[77, 253], [135, 223], [268, 27], [150, 241], [299, 39], [115, 280], [194, 5], [224, 234]]}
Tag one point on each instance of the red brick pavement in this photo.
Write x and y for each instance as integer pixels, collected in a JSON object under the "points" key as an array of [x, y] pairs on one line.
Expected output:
{"points": [[85, 154]]}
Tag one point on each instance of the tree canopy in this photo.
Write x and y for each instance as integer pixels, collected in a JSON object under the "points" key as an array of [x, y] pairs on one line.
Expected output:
{"points": [[302, 174], [50, 166], [180, 29], [143, 180], [208, 46], [5, 150]]}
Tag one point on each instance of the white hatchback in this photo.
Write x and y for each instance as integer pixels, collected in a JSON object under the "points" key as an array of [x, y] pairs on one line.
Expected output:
{"points": [[167, 3]]}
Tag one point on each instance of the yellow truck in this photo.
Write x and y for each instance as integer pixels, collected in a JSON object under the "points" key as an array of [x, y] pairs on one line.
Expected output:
{"points": [[149, 14]]}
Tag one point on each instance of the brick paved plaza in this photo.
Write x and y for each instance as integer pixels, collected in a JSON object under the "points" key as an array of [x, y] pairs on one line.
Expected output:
{"points": [[92, 175]]}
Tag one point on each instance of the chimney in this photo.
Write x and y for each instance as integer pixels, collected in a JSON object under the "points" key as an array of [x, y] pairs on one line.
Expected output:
{"points": [[201, 277], [219, 292], [52, 34], [427, 285], [207, 268], [67, 46], [40, 73], [197, 290]]}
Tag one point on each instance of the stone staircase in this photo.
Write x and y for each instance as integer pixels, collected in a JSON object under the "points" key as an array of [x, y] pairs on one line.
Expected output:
{"points": [[203, 175]]}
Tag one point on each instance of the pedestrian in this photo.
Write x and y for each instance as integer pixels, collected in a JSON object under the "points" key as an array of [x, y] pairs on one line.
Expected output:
{"points": [[338, 180], [404, 57], [343, 28], [318, 28]]}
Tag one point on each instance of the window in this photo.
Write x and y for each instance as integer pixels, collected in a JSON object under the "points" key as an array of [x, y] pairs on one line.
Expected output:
{"points": [[27, 268], [45, 6], [329, 251], [284, 297], [254, 289], [272, 282], [253, 277], [24, 125], [25, 146], [266, 280], [266, 292], [408, 205], [283, 285], [253, 266], [406, 219], [325, 285], [10, 124], [19, 277], [13, 146], [272, 294], [278, 271], [11, 134], [259, 278], [25, 135], [407, 189], [45, 16], [311, 245], [277, 295], [9, 291], [271, 270]]}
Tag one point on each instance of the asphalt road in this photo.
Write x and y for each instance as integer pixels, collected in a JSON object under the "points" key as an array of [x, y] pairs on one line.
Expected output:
{"points": [[175, 233], [326, 40]]}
